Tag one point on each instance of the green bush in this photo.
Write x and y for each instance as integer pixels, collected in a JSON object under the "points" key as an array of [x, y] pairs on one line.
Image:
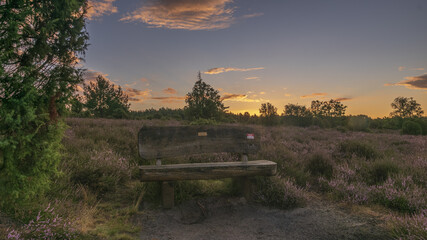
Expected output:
{"points": [[297, 121], [300, 176], [103, 172], [280, 193], [359, 123], [411, 128], [202, 121], [360, 149], [380, 171], [342, 129], [319, 165], [423, 123]]}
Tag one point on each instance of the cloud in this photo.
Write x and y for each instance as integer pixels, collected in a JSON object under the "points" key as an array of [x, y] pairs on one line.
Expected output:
{"points": [[144, 80], [402, 68], [251, 15], [240, 98], [230, 69], [313, 95], [169, 91], [135, 99], [417, 82], [252, 78], [229, 96], [262, 93], [98, 8], [343, 99], [91, 75], [136, 95], [169, 99], [184, 14]]}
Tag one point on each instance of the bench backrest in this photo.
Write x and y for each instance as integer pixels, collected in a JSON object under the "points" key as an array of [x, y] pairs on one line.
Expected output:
{"points": [[166, 142]]}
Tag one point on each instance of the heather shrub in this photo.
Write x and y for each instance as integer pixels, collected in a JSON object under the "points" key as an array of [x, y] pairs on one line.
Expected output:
{"points": [[280, 193], [411, 128], [320, 165], [354, 192], [47, 225], [102, 172], [400, 194], [360, 149], [297, 173], [380, 171], [342, 129], [409, 226]]}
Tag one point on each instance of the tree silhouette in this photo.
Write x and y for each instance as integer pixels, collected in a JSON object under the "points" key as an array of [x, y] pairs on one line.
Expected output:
{"points": [[296, 111], [105, 100], [331, 108], [203, 101], [406, 108], [268, 113]]}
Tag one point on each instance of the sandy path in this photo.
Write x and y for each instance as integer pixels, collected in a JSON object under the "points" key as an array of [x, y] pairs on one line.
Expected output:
{"points": [[232, 218]]}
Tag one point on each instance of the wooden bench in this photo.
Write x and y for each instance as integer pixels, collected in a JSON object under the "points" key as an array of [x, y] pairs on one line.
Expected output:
{"points": [[157, 143]]}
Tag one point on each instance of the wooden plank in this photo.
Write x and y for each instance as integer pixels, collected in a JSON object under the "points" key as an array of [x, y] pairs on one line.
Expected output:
{"points": [[215, 170], [175, 141]]}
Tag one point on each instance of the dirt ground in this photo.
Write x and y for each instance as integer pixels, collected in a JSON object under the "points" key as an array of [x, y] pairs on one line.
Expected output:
{"points": [[233, 218]]}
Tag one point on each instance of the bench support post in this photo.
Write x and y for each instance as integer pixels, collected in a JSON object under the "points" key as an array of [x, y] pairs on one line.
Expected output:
{"points": [[168, 194], [245, 187]]}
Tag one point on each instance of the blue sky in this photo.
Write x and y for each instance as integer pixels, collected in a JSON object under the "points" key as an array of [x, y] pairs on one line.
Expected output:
{"points": [[363, 52]]}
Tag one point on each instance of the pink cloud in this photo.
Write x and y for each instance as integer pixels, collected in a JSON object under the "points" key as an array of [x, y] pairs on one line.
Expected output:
{"points": [[313, 95], [184, 14], [98, 8]]}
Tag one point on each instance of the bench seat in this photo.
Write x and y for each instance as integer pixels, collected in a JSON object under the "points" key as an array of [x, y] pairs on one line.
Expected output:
{"points": [[210, 170]]}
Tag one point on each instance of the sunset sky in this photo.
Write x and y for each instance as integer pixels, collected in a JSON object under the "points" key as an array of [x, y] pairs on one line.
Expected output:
{"points": [[363, 52]]}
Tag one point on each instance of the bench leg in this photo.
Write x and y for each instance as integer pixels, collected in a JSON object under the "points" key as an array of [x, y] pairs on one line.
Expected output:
{"points": [[245, 187], [168, 194]]}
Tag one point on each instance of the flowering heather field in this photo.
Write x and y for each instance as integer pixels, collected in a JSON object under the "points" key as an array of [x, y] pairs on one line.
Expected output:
{"points": [[374, 169], [99, 191]]}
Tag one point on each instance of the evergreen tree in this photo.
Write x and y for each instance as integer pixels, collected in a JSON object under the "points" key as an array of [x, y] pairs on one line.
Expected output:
{"points": [[105, 100], [39, 42], [203, 102]]}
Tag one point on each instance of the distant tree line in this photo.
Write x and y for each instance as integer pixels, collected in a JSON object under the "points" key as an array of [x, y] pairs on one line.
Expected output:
{"points": [[204, 106]]}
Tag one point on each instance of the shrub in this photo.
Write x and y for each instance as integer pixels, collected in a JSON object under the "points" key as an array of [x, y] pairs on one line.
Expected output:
{"points": [[319, 165], [409, 226], [102, 172], [411, 128], [294, 172], [400, 194], [202, 121], [381, 171], [360, 149], [342, 129], [300, 121], [277, 192], [47, 225], [423, 123], [358, 123]]}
